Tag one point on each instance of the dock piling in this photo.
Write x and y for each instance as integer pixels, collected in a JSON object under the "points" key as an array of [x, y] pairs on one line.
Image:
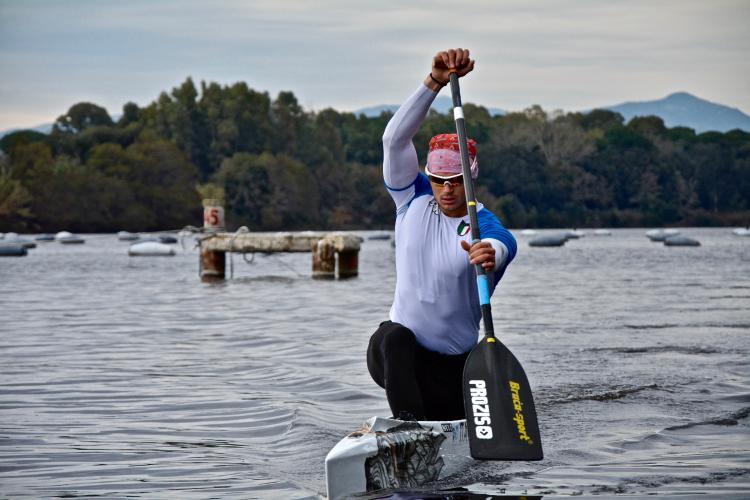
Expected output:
{"points": [[323, 260], [326, 249], [213, 265], [348, 263]]}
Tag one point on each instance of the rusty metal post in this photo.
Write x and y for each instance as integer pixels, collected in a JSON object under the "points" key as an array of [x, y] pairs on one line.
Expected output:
{"points": [[348, 263], [213, 265], [323, 260], [213, 262]]}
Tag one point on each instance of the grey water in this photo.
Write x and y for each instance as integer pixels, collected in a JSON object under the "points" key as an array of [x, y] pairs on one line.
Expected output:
{"points": [[127, 377]]}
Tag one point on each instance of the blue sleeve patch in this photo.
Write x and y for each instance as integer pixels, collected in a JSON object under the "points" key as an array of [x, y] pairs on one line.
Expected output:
{"points": [[491, 227], [389, 188], [421, 188], [422, 185]]}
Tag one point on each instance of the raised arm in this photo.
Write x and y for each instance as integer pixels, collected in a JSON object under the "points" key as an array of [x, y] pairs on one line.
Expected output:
{"points": [[400, 163]]}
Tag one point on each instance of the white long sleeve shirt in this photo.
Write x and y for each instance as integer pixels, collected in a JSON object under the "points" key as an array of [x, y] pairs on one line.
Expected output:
{"points": [[436, 293]]}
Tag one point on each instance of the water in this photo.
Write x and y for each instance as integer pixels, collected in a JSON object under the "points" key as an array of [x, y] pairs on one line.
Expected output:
{"points": [[128, 377]]}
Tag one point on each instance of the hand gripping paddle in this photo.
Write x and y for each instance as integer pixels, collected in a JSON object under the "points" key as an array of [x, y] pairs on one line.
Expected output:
{"points": [[500, 412]]}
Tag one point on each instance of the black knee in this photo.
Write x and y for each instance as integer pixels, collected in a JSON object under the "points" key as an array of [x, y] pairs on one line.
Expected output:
{"points": [[392, 342], [375, 362], [397, 341]]}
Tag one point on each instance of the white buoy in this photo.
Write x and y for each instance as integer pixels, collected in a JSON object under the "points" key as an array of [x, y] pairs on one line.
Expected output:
{"points": [[150, 249], [127, 236], [575, 234], [661, 234], [549, 240], [68, 238], [681, 241], [528, 232], [14, 238], [741, 231], [10, 249], [602, 232]]}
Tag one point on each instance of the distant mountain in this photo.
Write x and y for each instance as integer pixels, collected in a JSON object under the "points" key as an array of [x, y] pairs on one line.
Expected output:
{"points": [[685, 110], [677, 110], [442, 104], [45, 128], [374, 111]]}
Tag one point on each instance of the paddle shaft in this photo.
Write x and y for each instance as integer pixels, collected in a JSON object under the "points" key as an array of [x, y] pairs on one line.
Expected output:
{"points": [[500, 414], [483, 284]]}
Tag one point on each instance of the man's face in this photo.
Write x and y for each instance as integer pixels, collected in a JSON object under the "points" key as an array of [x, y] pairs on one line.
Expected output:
{"points": [[449, 194]]}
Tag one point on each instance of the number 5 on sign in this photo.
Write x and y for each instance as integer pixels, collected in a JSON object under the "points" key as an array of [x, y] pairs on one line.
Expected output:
{"points": [[213, 217]]}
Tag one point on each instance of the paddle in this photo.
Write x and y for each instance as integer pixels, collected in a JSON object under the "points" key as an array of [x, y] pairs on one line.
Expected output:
{"points": [[500, 412]]}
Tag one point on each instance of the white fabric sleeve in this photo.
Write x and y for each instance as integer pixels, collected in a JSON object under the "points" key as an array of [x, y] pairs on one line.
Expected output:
{"points": [[501, 252], [400, 163]]}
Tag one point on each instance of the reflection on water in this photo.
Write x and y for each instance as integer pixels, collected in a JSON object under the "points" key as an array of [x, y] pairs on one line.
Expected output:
{"points": [[128, 377]]}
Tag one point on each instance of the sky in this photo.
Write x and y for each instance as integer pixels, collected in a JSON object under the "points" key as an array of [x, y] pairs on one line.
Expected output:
{"points": [[350, 54]]}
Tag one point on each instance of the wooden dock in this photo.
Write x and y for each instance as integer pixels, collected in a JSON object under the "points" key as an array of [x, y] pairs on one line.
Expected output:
{"points": [[324, 246]]}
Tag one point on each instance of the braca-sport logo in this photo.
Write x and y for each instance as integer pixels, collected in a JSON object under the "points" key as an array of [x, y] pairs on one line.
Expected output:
{"points": [[480, 409], [515, 392]]}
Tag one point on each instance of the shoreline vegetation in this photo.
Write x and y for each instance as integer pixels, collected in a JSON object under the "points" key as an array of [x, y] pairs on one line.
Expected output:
{"points": [[278, 166]]}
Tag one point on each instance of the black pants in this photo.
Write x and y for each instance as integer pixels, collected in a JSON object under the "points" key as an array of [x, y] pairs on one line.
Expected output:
{"points": [[416, 380]]}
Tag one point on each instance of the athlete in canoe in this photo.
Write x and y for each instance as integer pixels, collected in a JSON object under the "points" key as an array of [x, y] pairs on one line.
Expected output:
{"points": [[418, 355]]}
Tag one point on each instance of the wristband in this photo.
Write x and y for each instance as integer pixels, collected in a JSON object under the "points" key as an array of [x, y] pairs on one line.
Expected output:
{"points": [[443, 84]]}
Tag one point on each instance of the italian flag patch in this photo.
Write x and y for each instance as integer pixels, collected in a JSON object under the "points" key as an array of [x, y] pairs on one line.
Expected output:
{"points": [[463, 229]]}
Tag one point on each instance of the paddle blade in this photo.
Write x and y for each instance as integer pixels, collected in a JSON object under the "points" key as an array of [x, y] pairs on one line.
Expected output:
{"points": [[500, 412]]}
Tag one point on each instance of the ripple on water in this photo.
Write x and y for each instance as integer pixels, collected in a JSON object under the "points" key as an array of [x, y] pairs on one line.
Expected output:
{"points": [[129, 378]]}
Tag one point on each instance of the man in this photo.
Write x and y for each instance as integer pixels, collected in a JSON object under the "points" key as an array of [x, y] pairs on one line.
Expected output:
{"points": [[418, 355]]}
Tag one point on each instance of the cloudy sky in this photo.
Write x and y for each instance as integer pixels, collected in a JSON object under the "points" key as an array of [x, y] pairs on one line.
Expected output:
{"points": [[349, 54]]}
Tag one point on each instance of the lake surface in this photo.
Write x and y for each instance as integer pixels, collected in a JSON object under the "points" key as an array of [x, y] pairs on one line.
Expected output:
{"points": [[130, 378]]}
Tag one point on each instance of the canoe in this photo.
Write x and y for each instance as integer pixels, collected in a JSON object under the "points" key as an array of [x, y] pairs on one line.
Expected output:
{"points": [[390, 453]]}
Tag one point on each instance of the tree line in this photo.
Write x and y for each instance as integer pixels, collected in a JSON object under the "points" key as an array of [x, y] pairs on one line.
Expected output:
{"points": [[279, 166]]}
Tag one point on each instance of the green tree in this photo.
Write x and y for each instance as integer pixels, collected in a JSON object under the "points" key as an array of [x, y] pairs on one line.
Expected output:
{"points": [[81, 116], [130, 114], [15, 205], [11, 141], [269, 192]]}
